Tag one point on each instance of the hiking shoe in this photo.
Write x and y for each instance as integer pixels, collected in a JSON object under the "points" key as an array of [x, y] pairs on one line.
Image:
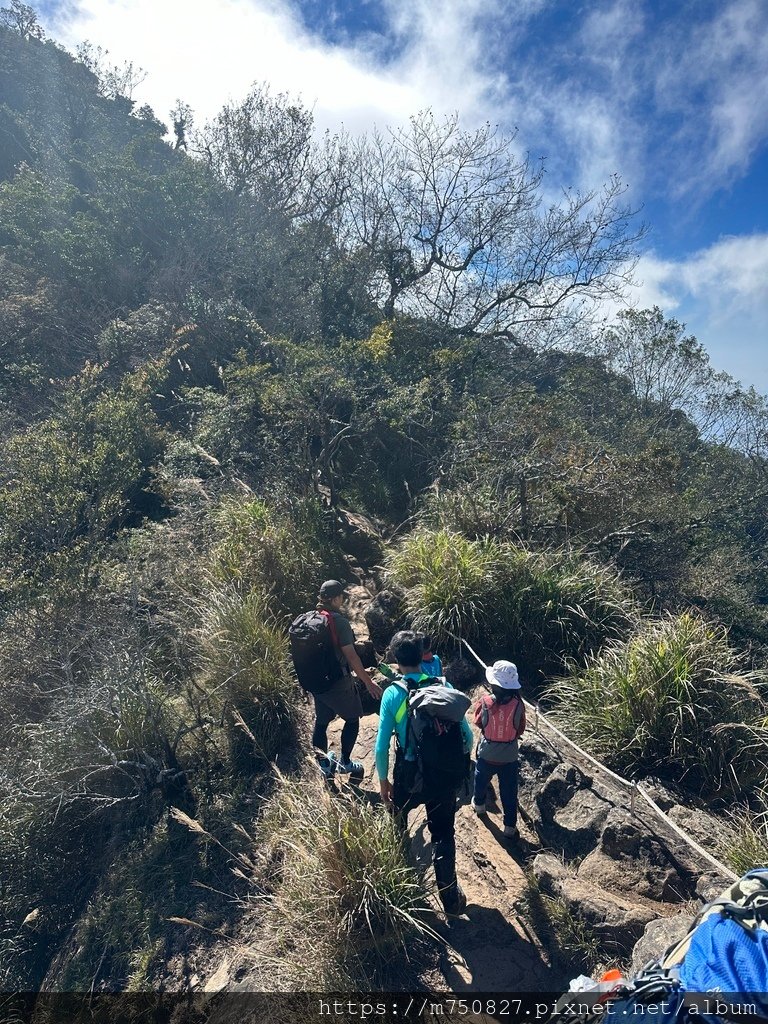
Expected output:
{"points": [[478, 808], [454, 900], [511, 832], [328, 765], [354, 769]]}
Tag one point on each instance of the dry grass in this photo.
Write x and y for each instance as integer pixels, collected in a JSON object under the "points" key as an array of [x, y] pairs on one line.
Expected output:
{"points": [[348, 912]]}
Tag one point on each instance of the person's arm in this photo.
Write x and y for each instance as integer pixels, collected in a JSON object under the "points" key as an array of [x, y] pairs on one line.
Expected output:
{"points": [[519, 719], [353, 660], [439, 664], [477, 712], [383, 738]]}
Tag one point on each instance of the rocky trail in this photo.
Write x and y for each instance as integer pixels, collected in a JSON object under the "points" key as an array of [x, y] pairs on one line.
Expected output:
{"points": [[620, 885]]}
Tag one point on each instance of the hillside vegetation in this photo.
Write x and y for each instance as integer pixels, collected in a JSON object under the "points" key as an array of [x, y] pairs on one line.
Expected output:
{"points": [[208, 350]]}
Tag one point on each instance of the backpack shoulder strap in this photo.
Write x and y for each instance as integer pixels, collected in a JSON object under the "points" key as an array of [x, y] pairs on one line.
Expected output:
{"points": [[408, 684], [328, 616]]}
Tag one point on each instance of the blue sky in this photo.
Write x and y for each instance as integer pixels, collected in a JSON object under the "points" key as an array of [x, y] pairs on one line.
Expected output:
{"points": [[671, 95]]}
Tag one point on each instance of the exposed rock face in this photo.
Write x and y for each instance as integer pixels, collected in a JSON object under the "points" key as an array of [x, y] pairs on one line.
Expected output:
{"points": [[463, 673], [384, 616], [629, 860], [658, 936], [567, 813], [618, 922], [625, 874], [359, 536]]}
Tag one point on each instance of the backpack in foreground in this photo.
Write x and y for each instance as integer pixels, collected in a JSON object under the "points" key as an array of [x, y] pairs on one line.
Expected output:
{"points": [[497, 720], [315, 651], [434, 736], [718, 970]]}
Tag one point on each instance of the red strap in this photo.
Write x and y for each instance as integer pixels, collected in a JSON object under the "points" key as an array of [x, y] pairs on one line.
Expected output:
{"points": [[331, 626]]}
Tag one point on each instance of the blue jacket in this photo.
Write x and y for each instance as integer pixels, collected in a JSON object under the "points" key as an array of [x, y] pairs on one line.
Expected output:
{"points": [[432, 668], [394, 719]]}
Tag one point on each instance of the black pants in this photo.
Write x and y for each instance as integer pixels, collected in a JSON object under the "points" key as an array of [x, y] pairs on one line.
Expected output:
{"points": [[441, 814], [441, 818]]}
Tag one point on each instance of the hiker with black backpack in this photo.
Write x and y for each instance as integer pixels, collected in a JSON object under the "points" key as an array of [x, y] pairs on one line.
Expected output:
{"points": [[434, 741], [500, 716], [324, 656]]}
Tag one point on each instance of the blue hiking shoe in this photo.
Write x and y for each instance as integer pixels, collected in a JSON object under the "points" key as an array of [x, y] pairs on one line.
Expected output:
{"points": [[328, 765], [354, 769]]}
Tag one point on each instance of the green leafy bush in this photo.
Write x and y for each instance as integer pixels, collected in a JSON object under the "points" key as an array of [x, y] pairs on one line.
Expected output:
{"points": [[66, 481], [668, 700]]}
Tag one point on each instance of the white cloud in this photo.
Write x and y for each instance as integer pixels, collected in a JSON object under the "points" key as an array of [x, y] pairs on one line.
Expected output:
{"points": [[210, 52], [721, 292]]}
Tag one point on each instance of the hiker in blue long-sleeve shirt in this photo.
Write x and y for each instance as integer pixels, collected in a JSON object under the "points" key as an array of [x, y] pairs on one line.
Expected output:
{"points": [[406, 650]]}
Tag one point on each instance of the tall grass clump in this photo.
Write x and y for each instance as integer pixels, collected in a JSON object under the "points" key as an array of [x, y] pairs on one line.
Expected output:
{"points": [[556, 606], [451, 583], [286, 553], [744, 842], [348, 911], [542, 608], [245, 663], [668, 700]]}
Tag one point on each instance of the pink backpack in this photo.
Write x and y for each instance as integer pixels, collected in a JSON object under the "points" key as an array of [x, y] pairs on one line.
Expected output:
{"points": [[497, 721]]}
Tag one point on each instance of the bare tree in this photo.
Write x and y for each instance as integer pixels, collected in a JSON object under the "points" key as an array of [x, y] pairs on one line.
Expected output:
{"points": [[114, 79], [265, 147], [21, 18], [455, 228]]}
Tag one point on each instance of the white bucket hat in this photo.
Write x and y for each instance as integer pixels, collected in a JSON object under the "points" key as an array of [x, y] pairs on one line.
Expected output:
{"points": [[503, 674]]}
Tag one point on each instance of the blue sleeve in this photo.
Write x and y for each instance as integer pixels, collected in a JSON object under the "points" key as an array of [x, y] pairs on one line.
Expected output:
{"points": [[389, 705], [469, 736], [439, 665]]}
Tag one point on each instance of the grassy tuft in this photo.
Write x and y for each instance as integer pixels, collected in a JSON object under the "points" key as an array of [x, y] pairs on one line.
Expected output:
{"points": [[745, 838], [283, 553], [668, 701], [540, 608], [348, 909], [451, 582], [245, 657]]}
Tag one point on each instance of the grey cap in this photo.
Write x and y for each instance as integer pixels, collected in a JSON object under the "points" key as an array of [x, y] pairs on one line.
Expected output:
{"points": [[333, 588]]}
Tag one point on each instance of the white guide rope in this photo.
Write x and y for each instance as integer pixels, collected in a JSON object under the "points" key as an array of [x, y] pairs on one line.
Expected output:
{"points": [[633, 787]]}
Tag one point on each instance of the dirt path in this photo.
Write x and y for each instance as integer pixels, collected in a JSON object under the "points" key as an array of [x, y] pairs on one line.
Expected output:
{"points": [[492, 948]]}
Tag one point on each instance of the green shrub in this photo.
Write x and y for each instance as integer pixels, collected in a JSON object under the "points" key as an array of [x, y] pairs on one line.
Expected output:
{"points": [[540, 608], [668, 701], [245, 658], [74, 785], [451, 583], [347, 905], [285, 553]]}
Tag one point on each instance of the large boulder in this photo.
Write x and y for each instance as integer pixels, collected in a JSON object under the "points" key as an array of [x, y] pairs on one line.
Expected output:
{"points": [[359, 536], [384, 616], [629, 860], [658, 936], [463, 673], [616, 922], [566, 813]]}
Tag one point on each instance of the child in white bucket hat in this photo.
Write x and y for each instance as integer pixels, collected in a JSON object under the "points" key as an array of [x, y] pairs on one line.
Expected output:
{"points": [[500, 716]]}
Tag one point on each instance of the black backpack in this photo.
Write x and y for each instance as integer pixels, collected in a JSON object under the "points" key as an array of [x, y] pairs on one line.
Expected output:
{"points": [[433, 732], [315, 650]]}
